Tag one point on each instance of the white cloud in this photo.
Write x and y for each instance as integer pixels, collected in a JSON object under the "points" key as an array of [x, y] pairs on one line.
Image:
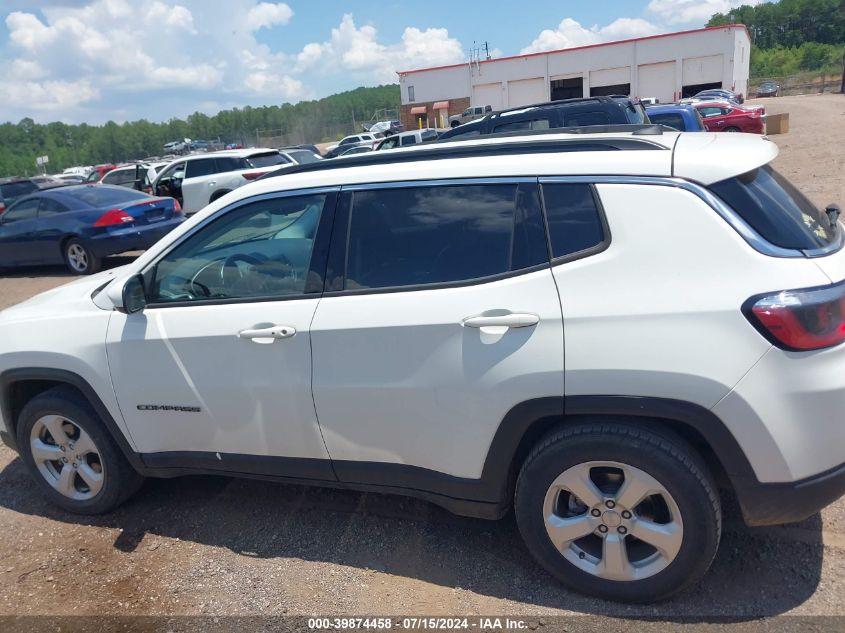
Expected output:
{"points": [[359, 50], [693, 12], [268, 14], [570, 33], [108, 51]]}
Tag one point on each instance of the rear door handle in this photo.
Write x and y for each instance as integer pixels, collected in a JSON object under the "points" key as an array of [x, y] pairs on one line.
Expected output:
{"points": [[268, 334], [505, 320], [212, 183]]}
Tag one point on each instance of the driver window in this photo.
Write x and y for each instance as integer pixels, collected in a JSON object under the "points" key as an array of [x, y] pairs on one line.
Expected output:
{"points": [[262, 249]]}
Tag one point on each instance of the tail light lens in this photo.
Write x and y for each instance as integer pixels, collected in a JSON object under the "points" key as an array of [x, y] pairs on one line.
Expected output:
{"points": [[114, 217], [252, 175], [177, 208], [2, 207], [801, 319]]}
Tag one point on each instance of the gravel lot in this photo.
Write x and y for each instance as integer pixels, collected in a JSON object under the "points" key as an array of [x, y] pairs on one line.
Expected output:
{"points": [[207, 545]]}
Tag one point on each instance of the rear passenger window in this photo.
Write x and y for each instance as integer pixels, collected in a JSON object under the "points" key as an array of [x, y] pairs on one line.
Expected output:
{"points": [[430, 235], [776, 209], [200, 167], [586, 118], [573, 218], [672, 120], [527, 124]]}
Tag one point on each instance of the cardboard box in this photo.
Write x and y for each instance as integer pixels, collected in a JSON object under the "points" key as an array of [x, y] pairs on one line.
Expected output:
{"points": [[777, 123]]}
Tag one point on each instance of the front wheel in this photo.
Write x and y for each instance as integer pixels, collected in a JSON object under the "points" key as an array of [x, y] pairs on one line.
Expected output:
{"points": [[71, 455], [619, 512], [732, 129], [79, 258]]}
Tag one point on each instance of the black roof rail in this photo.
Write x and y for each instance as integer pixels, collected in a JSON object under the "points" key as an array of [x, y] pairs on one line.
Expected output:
{"points": [[437, 150]]}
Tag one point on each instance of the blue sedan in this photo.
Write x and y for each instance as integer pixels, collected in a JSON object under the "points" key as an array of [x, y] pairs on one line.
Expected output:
{"points": [[81, 224]]}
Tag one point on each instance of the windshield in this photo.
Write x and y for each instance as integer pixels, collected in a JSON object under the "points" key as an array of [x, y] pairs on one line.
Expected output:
{"points": [[267, 160]]}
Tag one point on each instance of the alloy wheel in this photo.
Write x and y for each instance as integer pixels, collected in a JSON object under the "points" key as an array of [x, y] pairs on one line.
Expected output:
{"points": [[613, 520], [67, 457], [77, 257]]}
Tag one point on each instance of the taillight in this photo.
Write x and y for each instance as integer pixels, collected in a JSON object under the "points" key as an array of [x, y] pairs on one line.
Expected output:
{"points": [[2, 207], [177, 208], [801, 319], [252, 175], [114, 217]]}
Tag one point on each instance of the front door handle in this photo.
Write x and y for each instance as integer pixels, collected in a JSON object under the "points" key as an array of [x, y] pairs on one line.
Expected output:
{"points": [[505, 320], [268, 334]]}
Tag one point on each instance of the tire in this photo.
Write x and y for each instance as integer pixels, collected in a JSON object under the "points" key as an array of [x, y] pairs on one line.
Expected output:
{"points": [[454, 124], [732, 129], [79, 259], [687, 507], [63, 408]]}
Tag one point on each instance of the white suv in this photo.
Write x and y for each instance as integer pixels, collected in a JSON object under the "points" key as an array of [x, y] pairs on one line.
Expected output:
{"points": [[199, 179], [596, 330]]}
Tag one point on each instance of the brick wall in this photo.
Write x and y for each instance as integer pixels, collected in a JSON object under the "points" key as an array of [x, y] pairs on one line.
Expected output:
{"points": [[456, 106]]}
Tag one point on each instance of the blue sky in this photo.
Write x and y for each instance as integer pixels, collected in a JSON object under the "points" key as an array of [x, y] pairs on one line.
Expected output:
{"points": [[98, 60]]}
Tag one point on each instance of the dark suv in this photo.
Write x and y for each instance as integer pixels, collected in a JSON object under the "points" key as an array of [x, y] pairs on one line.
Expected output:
{"points": [[555, 114], [13, 188]]}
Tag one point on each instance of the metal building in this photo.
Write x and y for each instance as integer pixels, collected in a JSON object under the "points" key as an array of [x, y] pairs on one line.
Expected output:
{"points": [[668, 66]]}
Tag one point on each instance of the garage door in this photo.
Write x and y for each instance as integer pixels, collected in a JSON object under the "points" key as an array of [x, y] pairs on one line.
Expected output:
{"points": [[527, 91], [703, 70], [657, 80], [610, 77], [487, 94]]}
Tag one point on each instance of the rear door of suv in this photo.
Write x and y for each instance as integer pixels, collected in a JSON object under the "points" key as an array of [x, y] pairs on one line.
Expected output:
{"points": [[440, 314]]}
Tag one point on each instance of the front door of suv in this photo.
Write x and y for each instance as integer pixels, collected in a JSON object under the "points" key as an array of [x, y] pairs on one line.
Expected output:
{"points": [[440, 316], [215, 372]]}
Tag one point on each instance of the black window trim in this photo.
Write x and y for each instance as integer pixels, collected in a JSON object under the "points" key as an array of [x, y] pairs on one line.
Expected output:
{"points": [[319, 253], [340, 240]]}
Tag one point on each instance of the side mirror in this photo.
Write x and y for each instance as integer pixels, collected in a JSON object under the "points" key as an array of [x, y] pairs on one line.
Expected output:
{"points": [[134, 294]]}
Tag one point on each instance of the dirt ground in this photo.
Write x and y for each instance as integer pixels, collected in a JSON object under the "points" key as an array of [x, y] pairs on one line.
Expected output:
{"points": [[208, 545]]}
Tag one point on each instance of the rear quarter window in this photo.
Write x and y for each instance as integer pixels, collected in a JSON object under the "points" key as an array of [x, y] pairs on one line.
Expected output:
{"points": [[776, 209], [574, 221]]}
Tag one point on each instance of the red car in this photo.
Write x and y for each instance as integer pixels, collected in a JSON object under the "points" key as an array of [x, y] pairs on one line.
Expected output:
{"points": [[721, 116]]}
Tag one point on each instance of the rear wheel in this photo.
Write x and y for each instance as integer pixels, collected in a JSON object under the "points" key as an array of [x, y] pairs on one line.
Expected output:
{"points": [[619, 512], [732, 129], [217, 195], [79, 258], [70, 454]]}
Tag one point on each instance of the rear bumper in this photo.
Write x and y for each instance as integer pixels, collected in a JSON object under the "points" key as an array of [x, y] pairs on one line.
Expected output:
{"points": [[775, 503], [131, 238]]}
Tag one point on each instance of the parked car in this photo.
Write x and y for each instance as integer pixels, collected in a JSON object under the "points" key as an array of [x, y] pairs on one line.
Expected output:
{"points": [[13, 188], [385, 127], [398, 325], [199, 179], [46, 182], [74, 179], [139, 176], [301, 156], [684, 118], [78, 225], [367, 139], [470, 114], [311, 148], [555, 114], [768, 89], [719, 93], [98, 171], [727, 117], [356, 149], [404, 139]]}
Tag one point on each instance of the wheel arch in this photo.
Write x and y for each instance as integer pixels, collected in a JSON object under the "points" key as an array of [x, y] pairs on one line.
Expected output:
{"points": [[218, 194], [529, 421], [20, 386]]}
